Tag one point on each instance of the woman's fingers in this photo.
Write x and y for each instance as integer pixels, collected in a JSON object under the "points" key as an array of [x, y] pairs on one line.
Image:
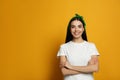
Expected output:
{"points": [[68, 65], [65, 64], [62, 64]]}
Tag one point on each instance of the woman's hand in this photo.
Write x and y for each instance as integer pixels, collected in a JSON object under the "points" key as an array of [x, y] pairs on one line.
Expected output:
{"points": [[62, 64], [68, 65]]}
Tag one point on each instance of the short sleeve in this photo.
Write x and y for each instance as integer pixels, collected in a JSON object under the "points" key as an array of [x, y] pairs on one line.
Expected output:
{"points": [[61, 51], [94, 50]]}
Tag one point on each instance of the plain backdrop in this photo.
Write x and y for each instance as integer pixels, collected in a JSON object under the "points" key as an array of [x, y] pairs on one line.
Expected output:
{"points": [[31, 32]]}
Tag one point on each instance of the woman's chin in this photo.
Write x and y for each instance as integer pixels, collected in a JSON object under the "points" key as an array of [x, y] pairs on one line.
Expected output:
{"points": [[76, 37]]}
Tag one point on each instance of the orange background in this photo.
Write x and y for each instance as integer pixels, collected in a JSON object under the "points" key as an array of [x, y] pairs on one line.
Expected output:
{"points": [[32, 30]]}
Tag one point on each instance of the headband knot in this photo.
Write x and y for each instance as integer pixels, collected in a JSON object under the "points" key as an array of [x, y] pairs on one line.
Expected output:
{"points": [[77, 15]]}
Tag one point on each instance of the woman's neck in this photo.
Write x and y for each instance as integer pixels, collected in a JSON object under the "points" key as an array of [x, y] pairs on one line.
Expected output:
{"points": [[78, 40]]}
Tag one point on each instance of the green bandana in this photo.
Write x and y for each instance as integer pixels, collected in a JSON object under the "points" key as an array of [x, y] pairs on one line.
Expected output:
{"points": [[81, 18]]}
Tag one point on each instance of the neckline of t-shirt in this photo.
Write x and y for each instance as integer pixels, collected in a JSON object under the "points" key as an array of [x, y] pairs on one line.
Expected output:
{"points": [[78, 43]]}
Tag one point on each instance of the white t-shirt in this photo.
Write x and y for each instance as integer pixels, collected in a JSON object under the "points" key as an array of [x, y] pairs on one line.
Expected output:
{"points": [[78, 54]]}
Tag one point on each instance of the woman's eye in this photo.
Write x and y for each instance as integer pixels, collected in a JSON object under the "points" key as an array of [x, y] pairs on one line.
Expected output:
{"points": [[80, 26], [72, 26]]}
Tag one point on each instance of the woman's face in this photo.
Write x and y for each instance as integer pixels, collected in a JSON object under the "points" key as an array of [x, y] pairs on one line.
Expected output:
{"points": [[76, 29]]}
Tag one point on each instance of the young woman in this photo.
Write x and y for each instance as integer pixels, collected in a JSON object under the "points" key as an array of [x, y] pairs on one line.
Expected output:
{"points": [[78, 57]]}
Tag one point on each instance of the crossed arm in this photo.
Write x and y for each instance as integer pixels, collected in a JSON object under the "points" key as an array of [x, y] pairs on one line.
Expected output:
{"points": [[68, 69]]}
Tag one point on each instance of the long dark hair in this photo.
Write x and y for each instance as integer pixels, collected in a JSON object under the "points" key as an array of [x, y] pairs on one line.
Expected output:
{"points": [[69, 36]]}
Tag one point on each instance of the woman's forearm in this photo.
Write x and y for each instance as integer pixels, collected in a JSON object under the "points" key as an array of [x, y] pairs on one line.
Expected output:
{"points": [[85, 69], [92, 66], [66, 71]]}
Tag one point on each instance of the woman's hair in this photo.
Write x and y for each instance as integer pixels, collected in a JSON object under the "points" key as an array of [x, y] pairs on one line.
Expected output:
{"points": [[69, 36]]}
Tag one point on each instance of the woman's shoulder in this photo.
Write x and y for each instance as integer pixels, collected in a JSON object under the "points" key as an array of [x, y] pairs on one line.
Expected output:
{"points": [[65, 44], [90, 43]]}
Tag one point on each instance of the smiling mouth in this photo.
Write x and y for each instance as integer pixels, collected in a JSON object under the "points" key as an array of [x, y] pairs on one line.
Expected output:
{"points": [[76, 33]]}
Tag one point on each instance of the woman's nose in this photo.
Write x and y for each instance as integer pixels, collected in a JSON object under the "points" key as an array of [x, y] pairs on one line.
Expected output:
{"points": [[76, 28]]}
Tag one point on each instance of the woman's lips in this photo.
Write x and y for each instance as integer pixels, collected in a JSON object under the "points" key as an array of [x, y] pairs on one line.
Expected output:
{"points": [[76, 33]]}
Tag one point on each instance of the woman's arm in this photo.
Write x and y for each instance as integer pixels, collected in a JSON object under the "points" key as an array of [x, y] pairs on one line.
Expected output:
{"points": [[91, 67], [64, 70]]}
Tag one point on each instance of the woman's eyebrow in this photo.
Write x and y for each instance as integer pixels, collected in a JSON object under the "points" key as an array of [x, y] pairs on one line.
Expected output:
{"points": [[80, 24], [72, 25], [75, 25]]}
